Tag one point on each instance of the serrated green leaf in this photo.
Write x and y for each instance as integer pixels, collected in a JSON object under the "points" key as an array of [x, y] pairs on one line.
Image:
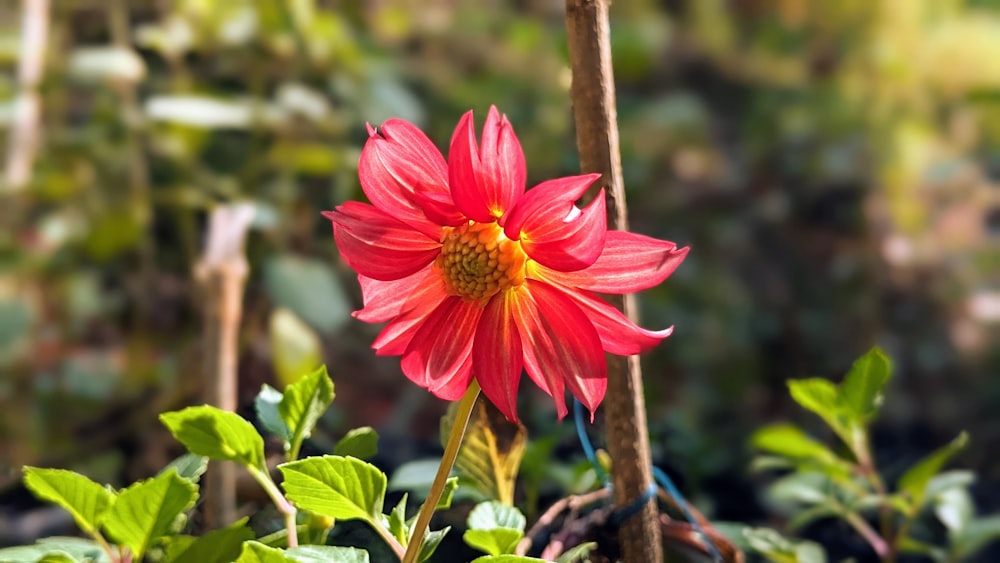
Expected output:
{"points": [[491, 451], [327, 553], [339, 487], [188, 466], [218, 546], [256, 552], [397, 522], [861, 390], [822, 398], [361, 443], [914, 481], [495, 541], [303, 403], [266, 404], [85, 500], [507, 559], [216, 434], [432, 540], [492, 514], [144, 511]]}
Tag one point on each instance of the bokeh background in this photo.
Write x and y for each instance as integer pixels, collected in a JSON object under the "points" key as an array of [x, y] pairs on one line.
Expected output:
{"points": [[835, 167]]}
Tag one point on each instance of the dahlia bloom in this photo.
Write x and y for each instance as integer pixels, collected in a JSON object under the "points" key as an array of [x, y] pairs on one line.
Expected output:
{"points": [[479, 278]]}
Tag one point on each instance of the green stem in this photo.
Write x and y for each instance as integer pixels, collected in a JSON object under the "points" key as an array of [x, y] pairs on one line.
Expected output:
{"points": [[280, 502], [447, 462], [866, 461]]}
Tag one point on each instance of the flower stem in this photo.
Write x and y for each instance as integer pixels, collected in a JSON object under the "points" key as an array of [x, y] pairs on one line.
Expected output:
{"points": [[447, 462], [280, 502]]}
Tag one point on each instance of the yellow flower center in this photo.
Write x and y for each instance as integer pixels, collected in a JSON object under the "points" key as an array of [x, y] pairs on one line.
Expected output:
{"points": [[477, 261]]}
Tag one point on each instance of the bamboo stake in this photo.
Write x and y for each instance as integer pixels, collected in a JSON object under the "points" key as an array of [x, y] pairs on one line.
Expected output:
{"points": [[221, 273], [593, 94]]}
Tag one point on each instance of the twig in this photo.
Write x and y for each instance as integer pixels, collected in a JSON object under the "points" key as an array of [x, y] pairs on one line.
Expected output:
{"points": [[24, 132], [221, 274], [593, 92]]}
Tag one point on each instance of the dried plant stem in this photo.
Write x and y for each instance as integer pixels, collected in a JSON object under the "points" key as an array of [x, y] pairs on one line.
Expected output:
{"points": [[221, 273], [462, 415], [24, 130], [593, 93]]}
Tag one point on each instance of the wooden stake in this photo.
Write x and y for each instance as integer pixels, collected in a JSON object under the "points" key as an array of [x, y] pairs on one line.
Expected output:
{"points": [[221, 274], [593, 93]]}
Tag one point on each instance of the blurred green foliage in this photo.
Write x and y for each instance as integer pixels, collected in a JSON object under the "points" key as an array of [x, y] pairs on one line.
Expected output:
{"points": [[832, 164]]}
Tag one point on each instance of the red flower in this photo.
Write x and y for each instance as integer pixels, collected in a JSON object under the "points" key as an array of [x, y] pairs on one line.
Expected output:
{"points": [[477, 277]]}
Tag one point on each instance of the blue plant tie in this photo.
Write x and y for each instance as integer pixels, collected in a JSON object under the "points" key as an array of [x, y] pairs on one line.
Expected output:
{"points": [[634, 507]]}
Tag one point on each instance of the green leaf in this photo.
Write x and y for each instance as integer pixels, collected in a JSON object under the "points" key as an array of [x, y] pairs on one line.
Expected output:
{"points": [[431, 542], [821, 397], [145, 510], [415, 476], [84, 499], [491, 514], [218, 546], [216, 434], [339, 487], [491, 451], [806, 488], [295, 347], [782, 550], [266, 405], [788, 440], [954, 508], [578, 554], [303, 403], [256, 552], [862, 388], [78, 549], [914, 481], [361, 443], [450, 486], [496, 541], [189, 466], [327, 553], [954, 479], [978, 534], [397, 522]]}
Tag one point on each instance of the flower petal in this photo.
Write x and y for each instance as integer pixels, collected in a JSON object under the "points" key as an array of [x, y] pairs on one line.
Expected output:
{"points": [[497, 360], [630, 262], [377, 245], [561, 346], [618, 334], [568, 245], [548, 202], [439, 357], [485, 181], [396, 160], [385, 300]]}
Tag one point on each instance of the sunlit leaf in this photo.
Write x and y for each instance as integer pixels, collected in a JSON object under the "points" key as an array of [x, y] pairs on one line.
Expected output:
{"points": [[861, 390], [327, 553], [188, 466], [266, 404], [339, 487], [491, 451], [303, 403], [144, 512], [85, 500], [216, 434]]}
